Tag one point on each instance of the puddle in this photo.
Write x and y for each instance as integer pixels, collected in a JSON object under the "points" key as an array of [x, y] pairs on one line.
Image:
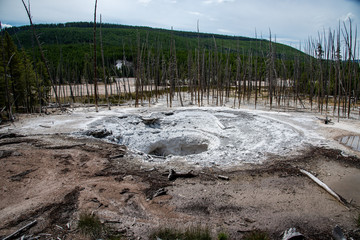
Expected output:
{"points": [[351, 141], [348, 187]]}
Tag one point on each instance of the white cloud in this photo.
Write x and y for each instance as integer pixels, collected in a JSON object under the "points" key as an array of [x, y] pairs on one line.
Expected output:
{"points": [[195, 13], [144, 2], [217, 1], [208, 2], [222, 1], [226, 31], [348, 16], [4, 25]]}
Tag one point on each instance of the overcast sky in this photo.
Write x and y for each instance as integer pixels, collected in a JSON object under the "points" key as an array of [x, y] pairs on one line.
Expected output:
{"points": [[291, 21]]}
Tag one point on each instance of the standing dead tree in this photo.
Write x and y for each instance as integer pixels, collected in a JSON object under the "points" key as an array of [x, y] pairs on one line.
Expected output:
{"points": [[95, 77], [27, 8], [103, 66], [270, 72]]}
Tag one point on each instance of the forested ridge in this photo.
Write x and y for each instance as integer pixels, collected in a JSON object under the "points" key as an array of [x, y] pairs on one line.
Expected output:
{"points": [[73, 41], [204, 65]]}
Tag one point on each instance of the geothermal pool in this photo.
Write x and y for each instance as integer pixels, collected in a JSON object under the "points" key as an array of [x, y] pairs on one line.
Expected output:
{"points": [[205, 136], [201, 136]]}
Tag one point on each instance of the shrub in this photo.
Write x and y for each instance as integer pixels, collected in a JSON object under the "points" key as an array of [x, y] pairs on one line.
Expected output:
{"points": [[222, 236], [90, 225]]}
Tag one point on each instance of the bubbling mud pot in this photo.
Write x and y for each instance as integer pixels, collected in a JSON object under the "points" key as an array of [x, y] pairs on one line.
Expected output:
{"points": [[201, 136]]}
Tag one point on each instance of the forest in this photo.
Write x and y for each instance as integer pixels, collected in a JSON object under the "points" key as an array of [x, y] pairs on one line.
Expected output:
{"points": [[39, 61]]}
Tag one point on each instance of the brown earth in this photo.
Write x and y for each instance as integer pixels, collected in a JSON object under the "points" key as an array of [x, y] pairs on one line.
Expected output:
{"points": [[53, 178]]}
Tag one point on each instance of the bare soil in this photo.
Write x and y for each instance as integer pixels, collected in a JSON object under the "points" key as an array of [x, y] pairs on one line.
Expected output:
{"points": [[53, 178]]}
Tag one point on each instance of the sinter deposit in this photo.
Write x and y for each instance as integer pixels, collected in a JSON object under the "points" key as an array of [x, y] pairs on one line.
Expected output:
{"points": [[201, 136]]}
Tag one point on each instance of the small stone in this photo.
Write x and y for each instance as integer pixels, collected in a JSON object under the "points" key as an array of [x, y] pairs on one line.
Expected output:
{"points": [[128, 178]]}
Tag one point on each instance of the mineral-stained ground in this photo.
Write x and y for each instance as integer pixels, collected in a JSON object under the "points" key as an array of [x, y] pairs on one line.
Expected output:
{"points": [[55, 167]]}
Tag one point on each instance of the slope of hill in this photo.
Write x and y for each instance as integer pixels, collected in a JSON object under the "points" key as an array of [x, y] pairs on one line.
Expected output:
{"points": [[73, 41]]}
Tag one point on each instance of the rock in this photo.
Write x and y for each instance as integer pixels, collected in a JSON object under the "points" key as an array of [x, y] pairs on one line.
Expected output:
{"points": [[149, 120], [292, 234], [128, 178], [5, 153], [338, 234], [98, 133], [169, 113]]}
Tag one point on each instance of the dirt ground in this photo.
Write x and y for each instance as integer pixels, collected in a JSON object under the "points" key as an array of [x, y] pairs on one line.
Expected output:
{"points": [[52, 178]]}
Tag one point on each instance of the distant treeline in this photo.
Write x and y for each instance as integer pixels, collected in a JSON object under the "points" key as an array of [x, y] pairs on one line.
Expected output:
{"points": [[71, 43], [119, 26]]}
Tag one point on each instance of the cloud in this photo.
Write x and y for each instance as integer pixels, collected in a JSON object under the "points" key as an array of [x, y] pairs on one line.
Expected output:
{"points": [[348, 16], [144, 2], [225, 1], [216, 1], [195, 13], [286, 18], [4, 25], [226, 31]]}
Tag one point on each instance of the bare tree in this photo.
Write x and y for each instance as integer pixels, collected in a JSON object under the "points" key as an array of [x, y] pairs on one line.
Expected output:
{"points": [[27, 8], [95, 77], [103, 66]]}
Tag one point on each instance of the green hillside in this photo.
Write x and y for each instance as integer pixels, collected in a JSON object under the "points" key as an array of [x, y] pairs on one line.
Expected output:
{"points": [[73, 41]]}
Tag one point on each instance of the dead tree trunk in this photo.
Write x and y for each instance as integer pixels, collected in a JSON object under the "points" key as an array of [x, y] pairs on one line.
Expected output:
{"points": [[103, 66], [42, 53]]}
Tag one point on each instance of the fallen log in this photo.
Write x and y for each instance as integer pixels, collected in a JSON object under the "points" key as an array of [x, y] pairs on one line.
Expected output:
{"points": [[325, 120], [10, 135], [174, 175], [223, 177], [65, 146], [159, 192], [325, 187], [221, 125], [44, 126], [21, 230], [55, 105], [4, 142], [116, 156]]}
